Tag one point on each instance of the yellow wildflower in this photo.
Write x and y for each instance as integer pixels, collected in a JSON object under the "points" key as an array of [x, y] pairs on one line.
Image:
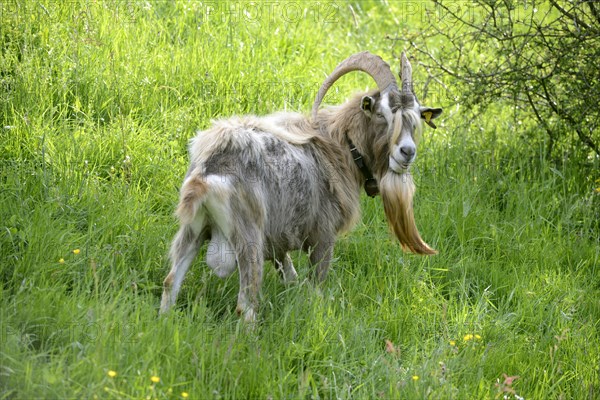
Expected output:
{"points": [[76, 251], [452, 342], [61, 261], [185, 395], [155, 379], [112, 373], [415, 378], [470, 336]]}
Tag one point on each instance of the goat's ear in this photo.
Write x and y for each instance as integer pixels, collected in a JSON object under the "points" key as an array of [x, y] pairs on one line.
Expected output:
{"points": [[367, 104], [428, 114]]}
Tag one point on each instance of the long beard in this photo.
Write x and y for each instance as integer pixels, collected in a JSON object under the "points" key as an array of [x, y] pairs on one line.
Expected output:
{"points": [[397, 192]]}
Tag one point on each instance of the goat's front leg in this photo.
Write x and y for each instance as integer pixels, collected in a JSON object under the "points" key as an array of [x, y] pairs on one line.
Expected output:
{"points": [[286, 269], [250, 265], [320, 258]]}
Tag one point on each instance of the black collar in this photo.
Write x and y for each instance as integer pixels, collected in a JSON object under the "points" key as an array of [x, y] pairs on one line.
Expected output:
{"points": [[370, 183]]}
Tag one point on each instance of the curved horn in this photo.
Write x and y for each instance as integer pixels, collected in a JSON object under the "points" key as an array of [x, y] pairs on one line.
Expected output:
{"points": [[407, 97], [406, 74], [373, 65]]}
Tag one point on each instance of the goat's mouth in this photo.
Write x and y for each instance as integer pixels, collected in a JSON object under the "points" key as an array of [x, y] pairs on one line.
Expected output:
{"points": [[399, 167]]}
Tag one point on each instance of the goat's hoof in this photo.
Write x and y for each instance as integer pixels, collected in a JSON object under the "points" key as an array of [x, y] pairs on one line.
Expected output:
{"points": [[250, 316], [290, 278], [163, 310], [165, 306], [247, 314]]}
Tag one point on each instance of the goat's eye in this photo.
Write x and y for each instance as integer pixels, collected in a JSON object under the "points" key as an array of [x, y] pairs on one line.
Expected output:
{"points": [[379, 115]]}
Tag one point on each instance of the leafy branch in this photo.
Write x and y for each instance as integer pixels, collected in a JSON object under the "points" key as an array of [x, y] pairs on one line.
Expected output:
{"points": [[537, 55]]}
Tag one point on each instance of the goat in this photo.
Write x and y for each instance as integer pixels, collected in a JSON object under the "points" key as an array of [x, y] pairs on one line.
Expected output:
{"points": [[259, 187]]}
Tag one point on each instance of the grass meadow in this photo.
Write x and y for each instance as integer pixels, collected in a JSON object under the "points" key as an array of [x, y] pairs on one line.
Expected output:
{"points": [[98, 100]]}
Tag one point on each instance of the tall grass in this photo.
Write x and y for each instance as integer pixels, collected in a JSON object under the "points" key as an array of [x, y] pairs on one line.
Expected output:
{"points": [[97, 104]]}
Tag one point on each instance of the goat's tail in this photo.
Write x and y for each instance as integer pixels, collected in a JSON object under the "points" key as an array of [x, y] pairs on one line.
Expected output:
{"points": [[193, 193]]}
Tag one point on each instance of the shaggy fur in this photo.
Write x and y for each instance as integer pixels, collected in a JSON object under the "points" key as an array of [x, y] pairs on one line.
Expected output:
{"points": [[259, 187]]}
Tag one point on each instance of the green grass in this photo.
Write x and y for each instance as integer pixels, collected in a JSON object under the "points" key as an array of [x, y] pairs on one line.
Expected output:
{"points": [[97, 103]]}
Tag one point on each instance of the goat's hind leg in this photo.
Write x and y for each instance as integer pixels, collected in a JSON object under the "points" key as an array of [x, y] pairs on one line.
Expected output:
{"points": [[250, 265], [184, 249]]}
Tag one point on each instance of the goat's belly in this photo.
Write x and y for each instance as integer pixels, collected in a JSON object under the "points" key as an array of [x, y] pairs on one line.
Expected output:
{"points": [[299, 223], [291, 236], [220, 255]]}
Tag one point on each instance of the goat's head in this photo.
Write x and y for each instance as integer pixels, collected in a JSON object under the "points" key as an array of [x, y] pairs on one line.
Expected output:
{"points": [[392, 120]]}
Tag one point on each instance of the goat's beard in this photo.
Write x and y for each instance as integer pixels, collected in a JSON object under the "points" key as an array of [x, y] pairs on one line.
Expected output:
{"points": [[397, 192]]}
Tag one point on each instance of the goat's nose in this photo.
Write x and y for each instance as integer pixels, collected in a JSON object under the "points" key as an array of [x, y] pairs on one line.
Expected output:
{"points": [[408, 152]]}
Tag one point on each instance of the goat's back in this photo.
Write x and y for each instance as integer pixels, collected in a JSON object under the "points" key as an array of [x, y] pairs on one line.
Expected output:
{"points": [[280, 175]]}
